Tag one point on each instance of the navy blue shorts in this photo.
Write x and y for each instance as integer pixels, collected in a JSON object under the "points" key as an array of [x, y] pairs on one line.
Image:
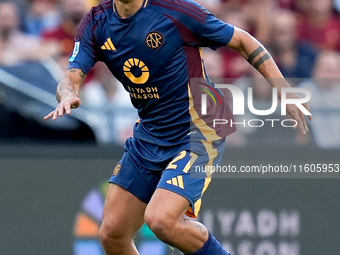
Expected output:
{"points": [[145, 167]]}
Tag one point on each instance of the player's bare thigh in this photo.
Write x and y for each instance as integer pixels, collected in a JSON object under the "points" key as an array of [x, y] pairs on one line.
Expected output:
{"points": [[123, 215]]}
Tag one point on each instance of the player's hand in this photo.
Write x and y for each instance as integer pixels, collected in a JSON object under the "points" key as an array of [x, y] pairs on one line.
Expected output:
{"points": [[64, 107], [295, 113]]}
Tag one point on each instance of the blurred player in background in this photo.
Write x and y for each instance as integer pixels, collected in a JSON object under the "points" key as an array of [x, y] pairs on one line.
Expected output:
{"points": [[153, 48]]}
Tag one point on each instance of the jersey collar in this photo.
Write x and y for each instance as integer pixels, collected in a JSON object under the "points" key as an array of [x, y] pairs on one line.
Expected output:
{"points": [[134, 17]]}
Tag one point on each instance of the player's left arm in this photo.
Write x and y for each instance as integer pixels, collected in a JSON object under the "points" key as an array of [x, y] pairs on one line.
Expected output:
{"points": [[257, 55]]}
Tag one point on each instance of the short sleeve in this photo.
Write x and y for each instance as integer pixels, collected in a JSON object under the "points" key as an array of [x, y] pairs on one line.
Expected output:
{"points": [[84, 54], [214, 33], [197, 26]]}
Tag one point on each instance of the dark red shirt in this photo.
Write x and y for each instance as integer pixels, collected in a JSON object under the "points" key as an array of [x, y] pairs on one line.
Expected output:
{"points": [[324, 37]]}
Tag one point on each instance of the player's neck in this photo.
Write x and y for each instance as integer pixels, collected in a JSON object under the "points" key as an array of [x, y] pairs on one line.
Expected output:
{"points": [[126, 8]]}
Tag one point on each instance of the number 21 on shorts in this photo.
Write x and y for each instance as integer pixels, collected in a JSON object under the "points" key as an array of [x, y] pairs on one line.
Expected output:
{"points": [[184, 160]]}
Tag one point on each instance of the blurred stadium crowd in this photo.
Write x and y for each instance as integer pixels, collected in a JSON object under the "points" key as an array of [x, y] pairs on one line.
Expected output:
{"points": [[303, 37]]}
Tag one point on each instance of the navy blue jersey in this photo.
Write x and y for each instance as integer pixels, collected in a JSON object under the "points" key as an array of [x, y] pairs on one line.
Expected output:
{"points": [[154, 54]]}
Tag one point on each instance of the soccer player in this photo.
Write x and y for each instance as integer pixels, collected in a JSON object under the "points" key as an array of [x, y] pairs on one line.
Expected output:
{"points": [[153, 48]]}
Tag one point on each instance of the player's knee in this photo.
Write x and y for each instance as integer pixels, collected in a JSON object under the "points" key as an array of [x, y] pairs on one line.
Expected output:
{"points": [[113, 234], [162, 226]]}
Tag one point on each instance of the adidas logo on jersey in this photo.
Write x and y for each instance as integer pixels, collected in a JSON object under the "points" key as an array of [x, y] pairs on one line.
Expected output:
{"points": [[108, 45], [176, 181]]}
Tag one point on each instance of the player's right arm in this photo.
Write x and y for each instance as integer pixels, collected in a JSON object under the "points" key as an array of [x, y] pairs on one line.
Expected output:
{"points": [[81, 61], [67, 93]]}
